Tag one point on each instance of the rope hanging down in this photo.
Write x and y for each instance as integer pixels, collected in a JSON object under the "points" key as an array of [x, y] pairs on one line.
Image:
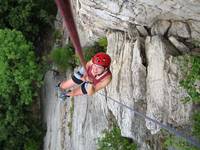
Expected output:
{"points": [[66, 11], [168, 128]]}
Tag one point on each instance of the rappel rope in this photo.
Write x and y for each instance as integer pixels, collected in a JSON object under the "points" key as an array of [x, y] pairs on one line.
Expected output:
{"points": [[191, 140], [65, 9]]}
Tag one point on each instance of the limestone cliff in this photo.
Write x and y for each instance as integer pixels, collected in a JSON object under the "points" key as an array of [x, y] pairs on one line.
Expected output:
{"points": [[144, 38]]}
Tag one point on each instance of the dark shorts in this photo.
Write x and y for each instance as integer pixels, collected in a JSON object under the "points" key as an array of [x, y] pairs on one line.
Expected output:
{"points": [[76, 80]]}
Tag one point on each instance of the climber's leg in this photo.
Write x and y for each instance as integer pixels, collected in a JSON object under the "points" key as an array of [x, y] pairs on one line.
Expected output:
{"points": [[75, 80]]}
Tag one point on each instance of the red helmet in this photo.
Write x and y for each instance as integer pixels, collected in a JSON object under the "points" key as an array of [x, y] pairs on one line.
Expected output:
{"points": [[101, 59]]}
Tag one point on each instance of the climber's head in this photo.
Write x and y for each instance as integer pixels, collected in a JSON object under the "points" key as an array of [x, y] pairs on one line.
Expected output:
{"points": [[101, 61]]}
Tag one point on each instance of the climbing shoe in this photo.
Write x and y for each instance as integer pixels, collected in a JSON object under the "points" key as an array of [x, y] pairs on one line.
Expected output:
{"points": [[57, 90], [63, 96]]}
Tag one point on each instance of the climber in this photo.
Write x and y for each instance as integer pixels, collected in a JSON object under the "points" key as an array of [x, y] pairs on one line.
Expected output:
{"points": [[96, 77]]}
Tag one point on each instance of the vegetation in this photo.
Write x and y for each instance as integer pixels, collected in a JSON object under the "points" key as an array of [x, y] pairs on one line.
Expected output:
{"points": [[191, 71], [178, 144], [20, 72], [20, 76], [195, 43], [112, 140], [57, 36], [28, 16], [196, 124], [190, 66], [71, 116], [192, 75], [99, 46], [103, 43], [64, 57]]}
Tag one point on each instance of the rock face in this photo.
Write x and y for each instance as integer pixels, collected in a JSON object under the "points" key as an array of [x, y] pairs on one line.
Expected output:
{"points": [[150, 87], [89, 120], [53, 114], [179, 45], [100, 15], [129, 87], [160, 27], [144, 38], [163, 91]]}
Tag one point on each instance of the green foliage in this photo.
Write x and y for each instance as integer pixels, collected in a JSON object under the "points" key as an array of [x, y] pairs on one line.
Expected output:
{"points": [[64, 57], [112, 140], [191, 69], [90, 51], [178, 144], [20, 74], [20, 78], [196, 124], [196, 43], [31, 145], [28, 16], [103, 43], [190, 66], [57, 35]]}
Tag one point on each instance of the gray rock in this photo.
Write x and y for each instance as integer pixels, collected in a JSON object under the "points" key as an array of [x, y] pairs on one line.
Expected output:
{"points": [[89, 121], [171, 49], [179, 45], [142, 31], [179, 29], [133, 32], [101, 15], [53, 115], [163, 91], [128, 85], [197, 85], [195, 51], [194, 26], [160, 27]]}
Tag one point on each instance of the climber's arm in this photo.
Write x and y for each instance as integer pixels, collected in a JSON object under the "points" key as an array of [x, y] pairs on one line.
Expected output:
{"points": [[91, 89]]}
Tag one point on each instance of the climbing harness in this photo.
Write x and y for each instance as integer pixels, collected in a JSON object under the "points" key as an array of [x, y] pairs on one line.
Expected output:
{"points": [[191, 140]]}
